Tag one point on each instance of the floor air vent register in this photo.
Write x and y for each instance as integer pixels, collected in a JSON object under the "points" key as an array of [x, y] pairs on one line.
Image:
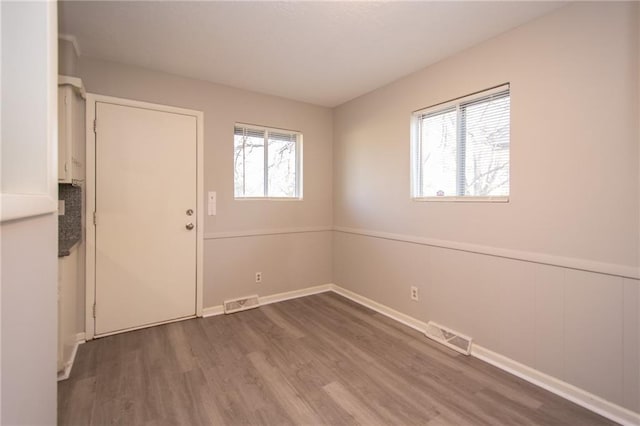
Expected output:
{"points": [[450, 338], [241, 304]]}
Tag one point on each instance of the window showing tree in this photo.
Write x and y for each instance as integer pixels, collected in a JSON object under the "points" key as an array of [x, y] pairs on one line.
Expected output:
{"points": [[266, 162], [461, 148]]}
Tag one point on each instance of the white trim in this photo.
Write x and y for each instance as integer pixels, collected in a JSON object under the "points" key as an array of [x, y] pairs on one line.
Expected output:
{"points": [[382, 309], [541, 258], [274, 298], [565, 390], [91, 201], [624, 271], [200, 208], [90, 205], [213, 311], [259, 128], [140, 327], [73, 40], [20, 206], [288, 295], [463, 99], [465, 199], [267, 198], [75, 82], [64, 374], [259, 232]]}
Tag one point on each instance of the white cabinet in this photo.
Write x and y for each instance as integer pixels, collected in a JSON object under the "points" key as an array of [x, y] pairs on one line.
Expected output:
{"points": [[71, 130], [70, 277]]}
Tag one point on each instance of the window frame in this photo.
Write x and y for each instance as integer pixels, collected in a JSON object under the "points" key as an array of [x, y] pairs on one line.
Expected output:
{"points": [[298, 196], [416, 154]]}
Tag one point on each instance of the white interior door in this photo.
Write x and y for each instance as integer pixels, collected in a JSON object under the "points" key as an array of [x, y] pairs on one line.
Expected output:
{"points": [[146, 182]]}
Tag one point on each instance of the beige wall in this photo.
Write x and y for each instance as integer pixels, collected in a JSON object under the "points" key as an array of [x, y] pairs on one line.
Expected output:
{"points": [[577, 326], [574, 150], [28, 244], [287, 261], [574, 194], [222, 107], [67, 58], [29, 320]]}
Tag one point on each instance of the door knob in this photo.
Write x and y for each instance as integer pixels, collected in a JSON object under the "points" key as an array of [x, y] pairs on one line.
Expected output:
{"points": [[189, 226], [189, 212]]}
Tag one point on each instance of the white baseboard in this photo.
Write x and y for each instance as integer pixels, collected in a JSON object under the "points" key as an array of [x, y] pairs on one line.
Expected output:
{"points": [[568, 391], [381, 309], [212, 311], [64, 374], [273, 298], [281, 297]]}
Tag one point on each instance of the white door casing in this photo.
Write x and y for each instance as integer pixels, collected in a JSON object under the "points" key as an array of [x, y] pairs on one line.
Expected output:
{"points": [[144, 173]]}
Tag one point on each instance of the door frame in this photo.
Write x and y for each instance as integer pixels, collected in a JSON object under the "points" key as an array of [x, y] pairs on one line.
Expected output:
{"points": [[90, 283]]}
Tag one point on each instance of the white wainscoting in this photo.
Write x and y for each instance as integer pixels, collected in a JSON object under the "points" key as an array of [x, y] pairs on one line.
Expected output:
{"points": [[624, 271], [578, 327], [566, 390], [259, 232]]}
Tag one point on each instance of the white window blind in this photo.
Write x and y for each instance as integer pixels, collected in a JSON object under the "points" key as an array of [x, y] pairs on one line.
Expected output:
{"points": [[266, 162], [461, 147]]}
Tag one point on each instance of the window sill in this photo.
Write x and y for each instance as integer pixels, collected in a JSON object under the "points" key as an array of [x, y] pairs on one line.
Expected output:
{"points": [[267, 198], [497, 199]]}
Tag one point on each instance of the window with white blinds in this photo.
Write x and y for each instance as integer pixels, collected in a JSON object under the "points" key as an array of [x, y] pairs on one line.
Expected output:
{"points": [[266, 162], [460, 148]]}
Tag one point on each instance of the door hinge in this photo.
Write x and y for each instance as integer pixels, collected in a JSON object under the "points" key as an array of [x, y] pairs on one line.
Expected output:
{"points": [[94, 310], [95, 218], [95, 126]]}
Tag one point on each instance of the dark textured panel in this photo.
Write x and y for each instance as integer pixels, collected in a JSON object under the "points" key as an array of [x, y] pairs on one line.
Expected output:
{"points": [[69, 224]]}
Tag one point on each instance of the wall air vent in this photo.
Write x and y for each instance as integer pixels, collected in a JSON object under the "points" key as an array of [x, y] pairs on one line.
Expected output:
{"points": [[241, 304], [452, 339]]}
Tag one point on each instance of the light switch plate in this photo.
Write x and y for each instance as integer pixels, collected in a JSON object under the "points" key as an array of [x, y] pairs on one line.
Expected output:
{"points": [[60, 207], [211, 203]]}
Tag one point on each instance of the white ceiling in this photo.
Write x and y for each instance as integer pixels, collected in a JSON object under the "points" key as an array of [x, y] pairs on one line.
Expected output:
{"points": [[325, 53]]}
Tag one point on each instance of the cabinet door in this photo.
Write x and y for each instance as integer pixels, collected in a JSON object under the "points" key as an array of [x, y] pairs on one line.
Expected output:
{"points": [[61, 360], [64, 168], [67, 306], [78, 136], [71, 135]]}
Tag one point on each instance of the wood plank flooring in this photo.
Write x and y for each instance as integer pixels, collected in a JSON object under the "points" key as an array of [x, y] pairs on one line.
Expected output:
{"points": [[317, 360]]}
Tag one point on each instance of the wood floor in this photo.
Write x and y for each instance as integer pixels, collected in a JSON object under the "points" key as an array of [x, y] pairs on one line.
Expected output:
{"points": [[321, 359]]}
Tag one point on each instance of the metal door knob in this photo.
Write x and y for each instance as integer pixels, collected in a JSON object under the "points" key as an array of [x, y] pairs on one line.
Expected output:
{"points": [[189, 226], [189, 212]]}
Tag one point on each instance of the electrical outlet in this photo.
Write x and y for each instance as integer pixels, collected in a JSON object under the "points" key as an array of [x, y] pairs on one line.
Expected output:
{"points": [[258, 277], [414, 293]]}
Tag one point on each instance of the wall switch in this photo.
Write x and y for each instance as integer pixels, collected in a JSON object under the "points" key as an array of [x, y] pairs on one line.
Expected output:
{"points": [[414, 293], [211, 203], [258, 277], [60, 207]]}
